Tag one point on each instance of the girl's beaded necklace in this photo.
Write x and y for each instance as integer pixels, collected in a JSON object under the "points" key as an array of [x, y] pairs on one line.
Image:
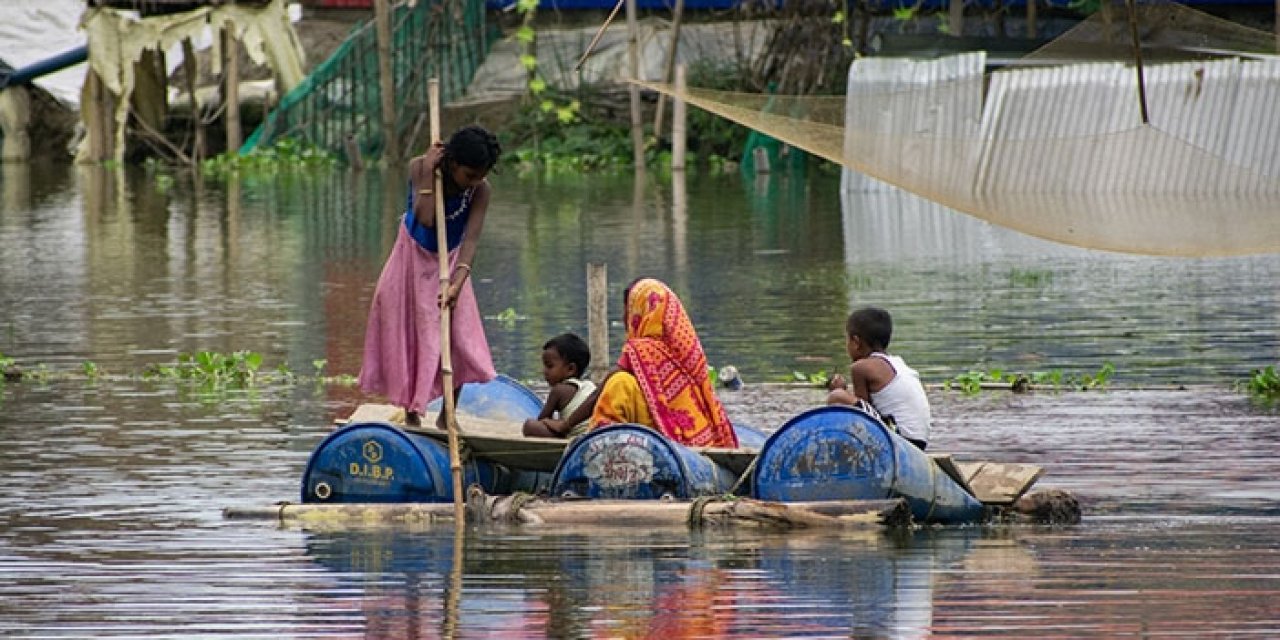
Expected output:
{"points": [[464, 201]]}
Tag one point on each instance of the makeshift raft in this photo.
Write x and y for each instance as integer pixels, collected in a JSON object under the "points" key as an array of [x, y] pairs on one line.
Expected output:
{"points": [[828, 455]]}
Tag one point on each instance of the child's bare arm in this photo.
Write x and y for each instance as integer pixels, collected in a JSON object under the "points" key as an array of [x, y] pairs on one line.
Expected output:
{"points": [[544, 425]]}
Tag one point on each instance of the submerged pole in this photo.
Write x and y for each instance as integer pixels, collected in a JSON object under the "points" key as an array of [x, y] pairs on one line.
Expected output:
{"points": [[231, 89], [679, 114], [672, 51], [598, 315], [387, 86], [633, 67]]}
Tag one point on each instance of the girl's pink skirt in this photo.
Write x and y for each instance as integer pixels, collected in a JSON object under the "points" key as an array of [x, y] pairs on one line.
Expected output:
{"points": [[402, 339]]}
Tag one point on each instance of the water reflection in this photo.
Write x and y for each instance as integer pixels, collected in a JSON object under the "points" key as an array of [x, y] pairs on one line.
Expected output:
{"points": [[663, 583]]}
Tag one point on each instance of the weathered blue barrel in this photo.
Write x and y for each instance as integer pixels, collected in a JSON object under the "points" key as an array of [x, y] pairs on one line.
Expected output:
{"points": [[634, 462], [499, 399], [841, 453], [378, 462], [750, 437]]}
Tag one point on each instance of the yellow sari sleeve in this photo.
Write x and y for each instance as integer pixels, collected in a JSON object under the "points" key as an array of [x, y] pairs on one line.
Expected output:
{"points": [[621, 400]]}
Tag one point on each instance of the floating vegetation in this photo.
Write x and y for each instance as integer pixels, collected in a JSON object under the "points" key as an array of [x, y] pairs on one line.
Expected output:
{"points": [[286, 154], [974, 381], [1030, 277], [1263, 384], [208, 370]]}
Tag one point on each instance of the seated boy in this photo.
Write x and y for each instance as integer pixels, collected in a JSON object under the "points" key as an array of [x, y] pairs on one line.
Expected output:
{"points": [[564, 360], [885, 381]]}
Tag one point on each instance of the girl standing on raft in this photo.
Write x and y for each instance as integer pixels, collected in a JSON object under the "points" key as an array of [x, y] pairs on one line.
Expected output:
{"points": [[402, 338]]}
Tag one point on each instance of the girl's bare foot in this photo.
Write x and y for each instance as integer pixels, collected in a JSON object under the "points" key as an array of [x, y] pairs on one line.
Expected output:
{"points": [[440, 423], [412, 418]]}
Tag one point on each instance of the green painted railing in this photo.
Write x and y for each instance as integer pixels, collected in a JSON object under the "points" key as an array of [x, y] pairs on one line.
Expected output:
{"points": [[341, 99]]}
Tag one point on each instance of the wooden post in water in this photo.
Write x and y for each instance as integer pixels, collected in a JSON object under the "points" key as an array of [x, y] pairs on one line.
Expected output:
{"points": [[955, 21], [598, 317], [191, 69], [231, 88], [1031, 18], [678, 14], [679, 114], [387, 86], [633, 68], [446, 332]]}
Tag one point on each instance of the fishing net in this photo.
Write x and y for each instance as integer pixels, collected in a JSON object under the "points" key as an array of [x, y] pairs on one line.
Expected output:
{"points": [[1055, 146]]}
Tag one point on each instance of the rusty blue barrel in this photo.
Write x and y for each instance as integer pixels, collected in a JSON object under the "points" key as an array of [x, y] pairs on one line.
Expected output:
{"points": [[634, 462], [379, 462], [841, 453]]}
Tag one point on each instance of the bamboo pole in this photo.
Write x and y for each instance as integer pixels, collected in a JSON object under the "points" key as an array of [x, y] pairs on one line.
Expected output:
{"points": [[1137, 58], [386, 83], [598, 316], [679, 115], [231, 89], [524, 509], [678, 15], [600, 32], [633, 67], [446, 355], [1031, 18]]}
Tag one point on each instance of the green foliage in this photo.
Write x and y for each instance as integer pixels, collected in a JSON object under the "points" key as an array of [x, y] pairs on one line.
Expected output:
{"points": [[971, 382], [816, 379], [544, 140], [91, 370], [1263, 384], [235, 370], [286, 155], [1030, 277]]}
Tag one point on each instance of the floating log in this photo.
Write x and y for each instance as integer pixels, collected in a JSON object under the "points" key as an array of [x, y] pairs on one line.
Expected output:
{"points": [[529, 510]]}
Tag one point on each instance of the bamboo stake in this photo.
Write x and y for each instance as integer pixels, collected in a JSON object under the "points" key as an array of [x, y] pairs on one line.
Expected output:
{"points": [[671, 65], [598, 315], [599, 33], [446, 355], [231, 89], [190, 68], [633, 66], [679, 116], [387, 84], [1137, 57]]}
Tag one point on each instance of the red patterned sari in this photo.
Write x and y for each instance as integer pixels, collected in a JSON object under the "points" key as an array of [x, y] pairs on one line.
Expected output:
{"points": [[664, 355]]}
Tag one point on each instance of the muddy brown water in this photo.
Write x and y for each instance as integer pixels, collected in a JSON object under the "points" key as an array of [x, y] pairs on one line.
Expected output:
{"points": [[110, 514]]}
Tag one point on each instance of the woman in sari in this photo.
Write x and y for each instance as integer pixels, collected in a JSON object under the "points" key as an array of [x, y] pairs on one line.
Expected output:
{"points": [[661, 379]]}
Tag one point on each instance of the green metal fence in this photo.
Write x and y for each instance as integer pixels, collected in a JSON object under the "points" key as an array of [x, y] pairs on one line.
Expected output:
{"points": [[341, 99]]}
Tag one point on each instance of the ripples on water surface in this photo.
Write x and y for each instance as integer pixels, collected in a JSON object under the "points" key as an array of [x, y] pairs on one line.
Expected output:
{"points": [[110, 520]]}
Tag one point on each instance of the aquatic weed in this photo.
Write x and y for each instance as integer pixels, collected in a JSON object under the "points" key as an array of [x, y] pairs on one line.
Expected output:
{"points": [[1263, 384]]}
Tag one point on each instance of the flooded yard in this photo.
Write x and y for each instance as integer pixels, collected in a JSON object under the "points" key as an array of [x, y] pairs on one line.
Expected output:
{"points": [[110, 518]]}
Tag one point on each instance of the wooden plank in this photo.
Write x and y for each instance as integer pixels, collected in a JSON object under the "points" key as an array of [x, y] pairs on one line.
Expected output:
{"points": [[948, 466], [735, 460], [999, 483], [497, 441]]}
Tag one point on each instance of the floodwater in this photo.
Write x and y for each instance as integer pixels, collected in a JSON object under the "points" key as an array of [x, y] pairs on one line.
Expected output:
{"points": [[110, 514]]}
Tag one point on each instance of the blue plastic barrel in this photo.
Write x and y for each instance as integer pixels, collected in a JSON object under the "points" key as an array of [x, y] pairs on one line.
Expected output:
{"points": [[749, 437], [499, 399], [841, 453], [378, 462], [634, 462]]}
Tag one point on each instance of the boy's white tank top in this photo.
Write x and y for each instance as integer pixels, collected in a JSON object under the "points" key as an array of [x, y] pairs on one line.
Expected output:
{"points": [[585, 389], [904, 399]]}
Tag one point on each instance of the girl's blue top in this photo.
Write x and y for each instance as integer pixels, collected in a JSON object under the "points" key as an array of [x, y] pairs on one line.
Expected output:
{"points": [[457, 211]]}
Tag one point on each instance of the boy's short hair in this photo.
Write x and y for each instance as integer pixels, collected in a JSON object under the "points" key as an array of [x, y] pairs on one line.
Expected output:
{"points": [[572, 349], [872, 324]]}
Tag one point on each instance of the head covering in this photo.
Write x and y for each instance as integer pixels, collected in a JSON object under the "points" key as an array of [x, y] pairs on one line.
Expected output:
{"points": [[663, 353]]}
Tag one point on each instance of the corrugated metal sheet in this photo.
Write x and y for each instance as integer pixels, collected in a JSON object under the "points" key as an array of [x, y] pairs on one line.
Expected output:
{"points": [[1069, 129], [909, 104]]}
